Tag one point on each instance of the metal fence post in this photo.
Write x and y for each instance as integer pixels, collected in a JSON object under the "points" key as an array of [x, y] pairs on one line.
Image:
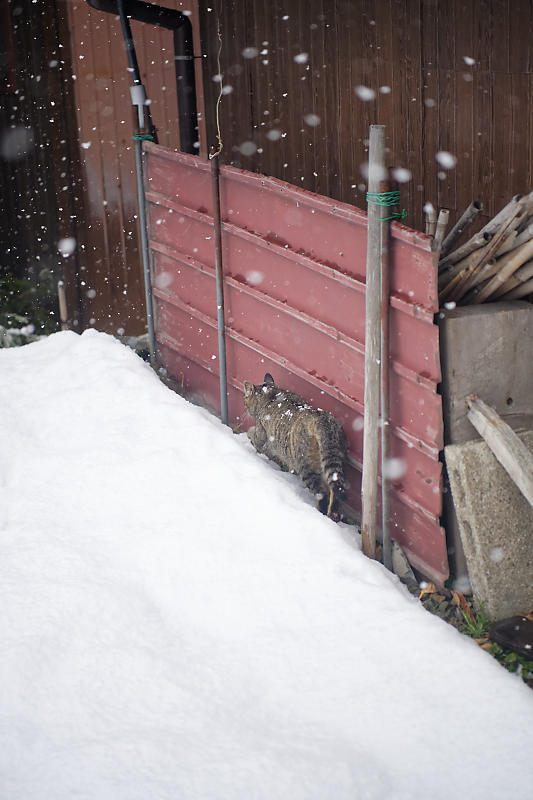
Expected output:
{"points": [[215, 182]]}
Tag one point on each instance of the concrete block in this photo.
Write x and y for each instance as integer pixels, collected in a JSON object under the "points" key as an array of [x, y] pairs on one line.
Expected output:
{"points": [[486, 349], [496, 526]]}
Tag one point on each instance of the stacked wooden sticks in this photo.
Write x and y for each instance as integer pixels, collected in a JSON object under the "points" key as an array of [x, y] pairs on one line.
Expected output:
{"points": [[494, 264]]}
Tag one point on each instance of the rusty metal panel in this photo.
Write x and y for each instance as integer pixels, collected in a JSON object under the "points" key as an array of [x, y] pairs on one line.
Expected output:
{"points": [[294, 265]]}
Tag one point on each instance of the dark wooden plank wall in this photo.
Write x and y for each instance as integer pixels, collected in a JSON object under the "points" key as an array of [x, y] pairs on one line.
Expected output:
{"points": [[36, 209], [112, 288], [110, 261], [437, 101]]}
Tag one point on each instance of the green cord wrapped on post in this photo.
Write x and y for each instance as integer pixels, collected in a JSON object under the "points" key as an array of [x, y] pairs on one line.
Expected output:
{"points": [[387, 199]]}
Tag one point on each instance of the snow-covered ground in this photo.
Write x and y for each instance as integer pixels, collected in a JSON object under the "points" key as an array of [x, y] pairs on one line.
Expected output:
{"points": [[177, 621]]}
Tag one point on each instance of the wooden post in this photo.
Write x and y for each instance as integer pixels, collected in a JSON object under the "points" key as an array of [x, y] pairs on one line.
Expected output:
{"points": [[431, 221], [384, 397], [510, 451], [62, 298], [369, 493], [442, 224]]}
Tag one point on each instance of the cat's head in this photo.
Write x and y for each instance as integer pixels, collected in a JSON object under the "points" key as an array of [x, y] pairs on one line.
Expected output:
{"points": [[256, 395]]}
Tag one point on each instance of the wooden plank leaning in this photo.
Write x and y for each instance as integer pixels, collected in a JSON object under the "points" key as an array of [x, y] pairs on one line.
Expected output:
{"points": [[509, 264], [483, 237], [520, 277], [510, 451], [463, 223], [474, 263], [442, 224]]}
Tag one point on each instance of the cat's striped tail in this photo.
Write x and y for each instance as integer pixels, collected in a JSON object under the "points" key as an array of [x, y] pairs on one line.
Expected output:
{"points": [[332, 455]]}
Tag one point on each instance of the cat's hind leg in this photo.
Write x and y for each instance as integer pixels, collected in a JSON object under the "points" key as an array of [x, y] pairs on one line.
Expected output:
{"points": [[257, 436], [313, 481]]}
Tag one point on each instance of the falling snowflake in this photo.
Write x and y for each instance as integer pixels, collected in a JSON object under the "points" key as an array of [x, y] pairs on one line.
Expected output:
{"points": [[248, 148], [163, 280], [255, 277], [445, 159], [312, 120], [401, 175], [66, 246], [364, 93], [394, 468]]}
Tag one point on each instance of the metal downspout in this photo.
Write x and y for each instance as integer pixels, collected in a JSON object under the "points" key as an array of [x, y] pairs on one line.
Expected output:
{"points": [[180, 24], [185, 81], [138, 99]]}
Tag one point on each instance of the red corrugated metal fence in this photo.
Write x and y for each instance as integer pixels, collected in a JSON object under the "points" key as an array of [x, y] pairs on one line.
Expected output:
{"points": [[294, 266]]}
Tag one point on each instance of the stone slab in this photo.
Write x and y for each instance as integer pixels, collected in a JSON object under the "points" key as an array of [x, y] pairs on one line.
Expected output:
{"points": [[496, 527]]}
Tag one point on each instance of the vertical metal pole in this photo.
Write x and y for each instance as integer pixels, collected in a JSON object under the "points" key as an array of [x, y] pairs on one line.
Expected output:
{"points": [[145, 251], [215, 182], [385, 398], [369, 494]]}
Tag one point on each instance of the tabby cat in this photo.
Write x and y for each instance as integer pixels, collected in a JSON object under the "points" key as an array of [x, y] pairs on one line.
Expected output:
{"points": [[303, 439]]}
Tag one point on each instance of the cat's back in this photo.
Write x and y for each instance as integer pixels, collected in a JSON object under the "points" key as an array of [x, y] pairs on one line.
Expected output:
{"points": [[298, 430]]}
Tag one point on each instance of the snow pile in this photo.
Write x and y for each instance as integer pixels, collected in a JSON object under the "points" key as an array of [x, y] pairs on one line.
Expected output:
{"points": [[179, 622]]}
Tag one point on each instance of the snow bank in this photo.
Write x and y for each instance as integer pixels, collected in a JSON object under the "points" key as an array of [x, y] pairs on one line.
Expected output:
{"points": [[179, 622]]}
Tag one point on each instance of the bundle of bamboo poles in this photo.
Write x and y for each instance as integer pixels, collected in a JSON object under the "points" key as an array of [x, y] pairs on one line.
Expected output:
{"points": [[494, 264]]}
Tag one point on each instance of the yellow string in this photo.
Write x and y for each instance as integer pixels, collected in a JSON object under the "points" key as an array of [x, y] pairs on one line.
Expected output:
{"points": [[330, 506], [219, 98]]}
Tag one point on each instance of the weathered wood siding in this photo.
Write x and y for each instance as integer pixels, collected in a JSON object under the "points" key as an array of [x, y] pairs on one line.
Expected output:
{"points": [[39, 189], [480, 112], [110, 263]]}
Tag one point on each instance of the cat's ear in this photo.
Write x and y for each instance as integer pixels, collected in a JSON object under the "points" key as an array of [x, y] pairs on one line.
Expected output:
{"points": [[248, 389], [269, 380]]}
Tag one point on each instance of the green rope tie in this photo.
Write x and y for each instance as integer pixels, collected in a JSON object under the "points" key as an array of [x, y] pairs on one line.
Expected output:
{"points": [[387, 199], [142, 137]]}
